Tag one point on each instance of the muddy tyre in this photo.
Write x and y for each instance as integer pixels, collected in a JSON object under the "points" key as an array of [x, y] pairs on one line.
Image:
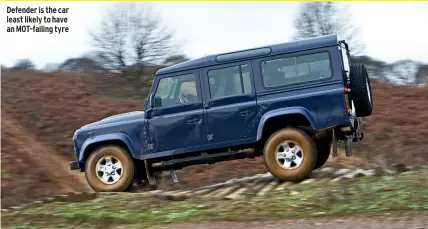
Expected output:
{"points": [[110, 169], [290, 154], [323, 154], [323, 144], [361, 91]]}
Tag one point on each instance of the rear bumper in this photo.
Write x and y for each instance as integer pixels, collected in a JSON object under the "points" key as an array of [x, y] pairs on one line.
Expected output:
{"points": [[74, 165]]}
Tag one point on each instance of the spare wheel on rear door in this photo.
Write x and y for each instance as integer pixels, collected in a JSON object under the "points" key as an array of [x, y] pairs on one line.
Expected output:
{"points": [[361, 92]]}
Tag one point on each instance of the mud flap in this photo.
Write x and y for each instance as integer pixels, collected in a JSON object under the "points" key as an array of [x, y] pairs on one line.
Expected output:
{"points": [[150, 178], [334, 142], [348, 150]]}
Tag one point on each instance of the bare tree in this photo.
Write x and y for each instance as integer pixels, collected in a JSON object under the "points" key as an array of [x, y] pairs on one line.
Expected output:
{"points": [[50, 67], [175, 59], [80, 64], [23, 64], [130, 38], [422, 74], [325, 18], [4, 68]]}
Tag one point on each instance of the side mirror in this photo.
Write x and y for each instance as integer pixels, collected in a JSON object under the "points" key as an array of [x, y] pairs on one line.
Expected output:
{"points": [[146, 105], [150, 103], [157, 101]]}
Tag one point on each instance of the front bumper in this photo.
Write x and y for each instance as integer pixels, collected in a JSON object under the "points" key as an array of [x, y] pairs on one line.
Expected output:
{"points": [[75, 165]]}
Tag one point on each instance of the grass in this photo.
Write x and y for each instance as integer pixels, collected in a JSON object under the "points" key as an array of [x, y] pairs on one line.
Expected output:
{"points": [[405, 192], [5, 175]]}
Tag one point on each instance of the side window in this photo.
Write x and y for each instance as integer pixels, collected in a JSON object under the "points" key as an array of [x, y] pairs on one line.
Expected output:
{"points": [[230, 81], [279, 72], [188, 92], [165, 87], [297, 69], [176, 90]]}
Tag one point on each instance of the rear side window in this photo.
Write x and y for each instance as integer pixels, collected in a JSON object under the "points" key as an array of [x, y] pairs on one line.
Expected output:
{"points": [[298, 69], [230, 81]]}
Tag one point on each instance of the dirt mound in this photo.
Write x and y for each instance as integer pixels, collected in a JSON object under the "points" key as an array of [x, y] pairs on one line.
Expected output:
{"points": [[52, 106], [30, 169]]}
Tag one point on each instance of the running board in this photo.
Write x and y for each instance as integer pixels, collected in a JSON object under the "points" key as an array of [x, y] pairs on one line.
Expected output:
{"points": [[203, 159]]}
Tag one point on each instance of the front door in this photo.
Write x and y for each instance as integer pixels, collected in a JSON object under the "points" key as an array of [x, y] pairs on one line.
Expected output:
{"points": [[230, 104], [177, 122]]}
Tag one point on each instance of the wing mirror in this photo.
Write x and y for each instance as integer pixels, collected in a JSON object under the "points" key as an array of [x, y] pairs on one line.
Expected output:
{"points": [[157, 101], [148, 106], [150, 103]]}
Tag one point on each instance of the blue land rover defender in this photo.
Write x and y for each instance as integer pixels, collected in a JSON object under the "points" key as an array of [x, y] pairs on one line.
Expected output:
{"points": [[290, 103]]}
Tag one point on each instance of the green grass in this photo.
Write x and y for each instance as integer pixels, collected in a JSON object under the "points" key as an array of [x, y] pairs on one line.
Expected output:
{"points": [[5, 175], [405, 192]]}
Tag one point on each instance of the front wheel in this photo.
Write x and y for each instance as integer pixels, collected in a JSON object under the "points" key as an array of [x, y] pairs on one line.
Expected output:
{"points": [[290, 154], [110, 169]]}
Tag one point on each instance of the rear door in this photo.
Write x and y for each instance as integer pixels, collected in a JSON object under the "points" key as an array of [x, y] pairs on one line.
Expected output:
{"points": [[230, 103]]}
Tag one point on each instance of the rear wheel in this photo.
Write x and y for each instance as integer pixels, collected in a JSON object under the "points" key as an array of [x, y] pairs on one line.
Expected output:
{"points": [[290, 154], [323, 144], [110, 169], [361, 92]]}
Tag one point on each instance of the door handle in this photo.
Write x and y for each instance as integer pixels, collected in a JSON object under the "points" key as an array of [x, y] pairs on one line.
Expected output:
{"points": [[244, 113], [192, 121]]}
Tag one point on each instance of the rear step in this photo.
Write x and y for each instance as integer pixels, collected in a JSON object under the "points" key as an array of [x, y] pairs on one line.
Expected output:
{"points": [[203, 159]]}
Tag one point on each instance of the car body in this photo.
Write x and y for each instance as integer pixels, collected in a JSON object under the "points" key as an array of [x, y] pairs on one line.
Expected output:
{"points": [[226, 106]]}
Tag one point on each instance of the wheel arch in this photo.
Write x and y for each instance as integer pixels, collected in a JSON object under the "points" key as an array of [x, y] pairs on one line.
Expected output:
{"points": [[296, 116], [109, 139]]}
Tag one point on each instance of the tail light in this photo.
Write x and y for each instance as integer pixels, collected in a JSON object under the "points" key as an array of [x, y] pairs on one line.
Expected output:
{"points": [[348, 105]]}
